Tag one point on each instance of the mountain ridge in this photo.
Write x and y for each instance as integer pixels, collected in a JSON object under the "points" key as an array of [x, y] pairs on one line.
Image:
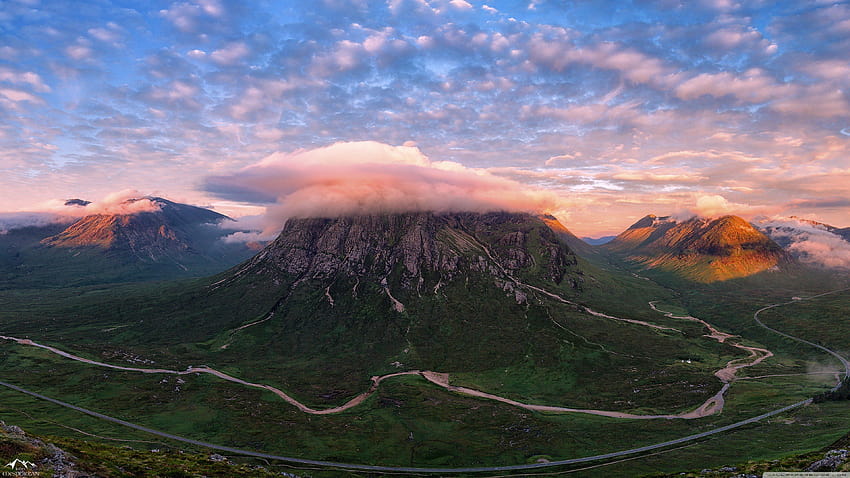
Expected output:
{"points": [[167, 230], [130, 241], [700, 249]]}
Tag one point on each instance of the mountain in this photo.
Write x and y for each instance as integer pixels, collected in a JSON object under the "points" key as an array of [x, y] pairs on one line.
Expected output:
{"points": [[598, 241], [420, 250], [161, 240], [577, 245], [699, 249], [784, 231], [498, 303], [167, 230], [460, 293], [843, 232], [810, 242]]}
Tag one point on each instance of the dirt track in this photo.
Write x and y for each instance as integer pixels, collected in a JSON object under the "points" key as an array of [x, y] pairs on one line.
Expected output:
{"points": [[710, 407]]}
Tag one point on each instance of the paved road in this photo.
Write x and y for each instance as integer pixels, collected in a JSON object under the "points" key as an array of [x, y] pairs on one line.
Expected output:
{"points": [[530, 466], [840, 358]]}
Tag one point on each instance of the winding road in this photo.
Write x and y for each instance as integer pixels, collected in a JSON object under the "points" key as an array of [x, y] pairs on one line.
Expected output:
{"points": [[711, 406], [728, 373], [844, 362]]}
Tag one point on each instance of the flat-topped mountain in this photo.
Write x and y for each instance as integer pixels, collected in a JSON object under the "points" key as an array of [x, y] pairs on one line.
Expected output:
{"points": [[498, 295], [419, 250]]}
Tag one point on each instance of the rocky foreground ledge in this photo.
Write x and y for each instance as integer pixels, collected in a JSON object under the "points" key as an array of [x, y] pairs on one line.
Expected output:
{"points": [[22, 454]]}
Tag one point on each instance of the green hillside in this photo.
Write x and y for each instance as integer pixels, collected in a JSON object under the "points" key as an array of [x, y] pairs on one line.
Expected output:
{"points": [[495, 301]]}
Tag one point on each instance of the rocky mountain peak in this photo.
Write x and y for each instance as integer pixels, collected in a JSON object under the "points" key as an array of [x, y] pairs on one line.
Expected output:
{"points": [[702, 249], [416, 250]]}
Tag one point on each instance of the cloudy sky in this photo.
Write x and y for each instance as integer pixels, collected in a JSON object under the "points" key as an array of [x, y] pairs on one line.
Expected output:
{"points": [[599, 111]]}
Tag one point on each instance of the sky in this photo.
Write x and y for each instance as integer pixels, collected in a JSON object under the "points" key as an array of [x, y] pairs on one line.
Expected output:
{"points": [[599, 112]]}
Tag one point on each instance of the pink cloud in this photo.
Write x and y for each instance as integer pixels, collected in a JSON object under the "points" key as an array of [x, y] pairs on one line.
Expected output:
{"points": [[828, 69], [61, 211], [25, 77], [79, 52], [231, 54], [721, 5], [715, 205], [633, 65], [754, 86], [817, 101], [370, 177], [739, 36], [127, 201], [186, 15], [16, 96], [111, 35], [655, 177], [461, 4]]}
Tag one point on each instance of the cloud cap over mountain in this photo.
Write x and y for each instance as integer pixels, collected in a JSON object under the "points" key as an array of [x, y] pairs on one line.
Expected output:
{"points": [[350, 178]]}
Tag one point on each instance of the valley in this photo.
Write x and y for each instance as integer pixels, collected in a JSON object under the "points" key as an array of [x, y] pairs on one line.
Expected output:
{"points": [[325, 401], [424, 238]]}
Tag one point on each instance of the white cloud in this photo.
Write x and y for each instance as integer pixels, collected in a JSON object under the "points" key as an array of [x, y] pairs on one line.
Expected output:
{"points": [[809, 242], [111, 34], [16, 220], [461, 4]]}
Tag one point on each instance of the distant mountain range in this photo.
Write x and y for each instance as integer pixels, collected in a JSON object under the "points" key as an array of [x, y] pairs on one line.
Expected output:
{"points": [[163, 234], [598, 241], [168, 239], [781, 230]]}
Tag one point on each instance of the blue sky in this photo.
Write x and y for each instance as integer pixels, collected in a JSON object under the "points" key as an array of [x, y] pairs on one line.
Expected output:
{"points": [[612, 109]]}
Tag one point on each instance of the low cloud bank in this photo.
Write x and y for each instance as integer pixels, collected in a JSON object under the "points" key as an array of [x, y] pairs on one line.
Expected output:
{"points": [[247, 229], [369, 177], [128, 201], [19, 220], [810, 242]]}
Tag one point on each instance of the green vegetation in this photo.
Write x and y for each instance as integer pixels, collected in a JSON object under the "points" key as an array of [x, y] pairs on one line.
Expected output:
{"points": [[321, 337], [66, 456], [840, 393]]}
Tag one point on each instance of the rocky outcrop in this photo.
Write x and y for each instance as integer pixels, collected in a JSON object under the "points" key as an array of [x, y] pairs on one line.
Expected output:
{"points": [[47, 459], [577, 245], [830, 462]]}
